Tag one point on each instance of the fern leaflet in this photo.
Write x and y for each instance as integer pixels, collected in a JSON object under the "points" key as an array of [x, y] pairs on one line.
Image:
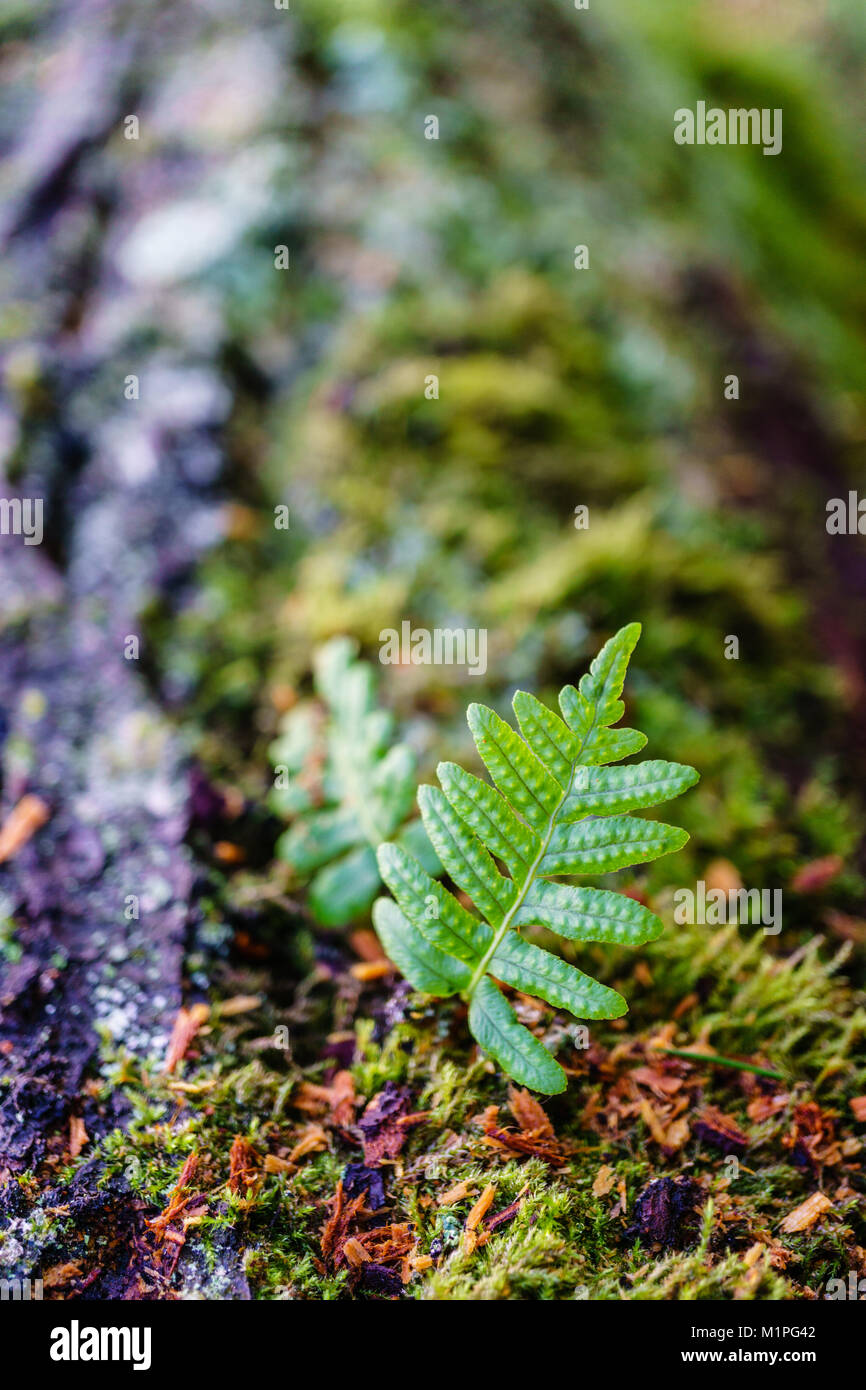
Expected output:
{"points": [[346, 787], [556, 808]]}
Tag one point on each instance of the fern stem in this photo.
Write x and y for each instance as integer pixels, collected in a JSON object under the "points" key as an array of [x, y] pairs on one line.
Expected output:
{"points": [[499, 936]]}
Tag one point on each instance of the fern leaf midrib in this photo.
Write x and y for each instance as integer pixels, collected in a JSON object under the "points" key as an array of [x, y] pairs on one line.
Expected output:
{"points": [[505, 925]]}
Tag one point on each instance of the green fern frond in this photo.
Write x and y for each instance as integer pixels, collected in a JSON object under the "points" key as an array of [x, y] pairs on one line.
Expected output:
{"points": [[348, 787], [555, 808]]}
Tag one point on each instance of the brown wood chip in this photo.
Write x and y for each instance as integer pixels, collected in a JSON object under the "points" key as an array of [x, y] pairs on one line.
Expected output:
{"points": [[367, 970], [529, 1114], [481, 1206], [239, 1004], [355, 1252], [458, 1193], [78, 1136], [807, 1213], [186, 1025], [313, 1140], [605, 1179], [21, 825], [275, 1164]]}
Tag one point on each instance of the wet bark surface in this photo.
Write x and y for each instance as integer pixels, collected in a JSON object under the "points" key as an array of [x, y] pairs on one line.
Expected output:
{"points": [[100, 899]]}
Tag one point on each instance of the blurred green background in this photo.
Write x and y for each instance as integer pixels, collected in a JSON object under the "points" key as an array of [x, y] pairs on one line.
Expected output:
{"points": [[558, 388]]}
